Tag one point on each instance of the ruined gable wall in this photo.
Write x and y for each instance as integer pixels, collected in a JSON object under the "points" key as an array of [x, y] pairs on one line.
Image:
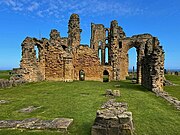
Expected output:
{"points": [[58, 59], [32, 68], [87, 60], [54, 64]]}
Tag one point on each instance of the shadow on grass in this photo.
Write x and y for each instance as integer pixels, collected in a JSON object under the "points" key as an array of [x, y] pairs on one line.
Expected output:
{"points": [[130, 86]]}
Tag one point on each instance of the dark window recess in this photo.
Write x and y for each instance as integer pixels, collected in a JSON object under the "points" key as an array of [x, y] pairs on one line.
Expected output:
{"points": [[120, 44]]}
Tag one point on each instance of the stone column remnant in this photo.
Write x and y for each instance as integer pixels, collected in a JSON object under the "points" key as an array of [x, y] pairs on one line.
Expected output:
{"points": [[113, 119]]}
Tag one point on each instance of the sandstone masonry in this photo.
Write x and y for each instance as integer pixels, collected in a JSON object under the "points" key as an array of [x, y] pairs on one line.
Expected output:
{"points": [[65, 59]]}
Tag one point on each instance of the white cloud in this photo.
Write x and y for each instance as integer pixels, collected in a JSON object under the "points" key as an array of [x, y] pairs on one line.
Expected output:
{"points": [[59, 8], [33, 6]]}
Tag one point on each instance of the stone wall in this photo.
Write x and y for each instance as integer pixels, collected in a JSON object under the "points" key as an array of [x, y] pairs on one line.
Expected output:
{"points": [[86, 59]]}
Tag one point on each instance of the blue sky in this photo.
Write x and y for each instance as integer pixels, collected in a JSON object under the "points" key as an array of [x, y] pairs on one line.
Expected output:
{"points": [[35, 18]]}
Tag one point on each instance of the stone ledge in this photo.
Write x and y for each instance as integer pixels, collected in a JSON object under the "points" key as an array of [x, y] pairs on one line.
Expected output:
{"points": [[37, 124]]}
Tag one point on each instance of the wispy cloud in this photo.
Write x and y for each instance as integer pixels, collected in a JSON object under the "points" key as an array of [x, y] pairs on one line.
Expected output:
{"points": [[61, 8], [33, 6]]}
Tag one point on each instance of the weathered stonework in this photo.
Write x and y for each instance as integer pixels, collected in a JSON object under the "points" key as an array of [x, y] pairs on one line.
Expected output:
{"points": [[65, 59], [61, 124], [113, 119]]}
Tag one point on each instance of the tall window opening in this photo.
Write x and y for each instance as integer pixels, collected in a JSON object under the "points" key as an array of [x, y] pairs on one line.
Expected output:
{"points": [[107, 32], [120, 44], [37, 52], [100, 55], [106, 55]]}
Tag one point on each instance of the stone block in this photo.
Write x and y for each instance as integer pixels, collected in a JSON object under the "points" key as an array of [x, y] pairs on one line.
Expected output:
{"points": [[113, 120]]}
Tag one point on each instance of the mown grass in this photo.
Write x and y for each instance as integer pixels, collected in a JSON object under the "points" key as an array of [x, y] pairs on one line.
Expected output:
{"points": [[5, 74], [173, 90], [79, 100]]}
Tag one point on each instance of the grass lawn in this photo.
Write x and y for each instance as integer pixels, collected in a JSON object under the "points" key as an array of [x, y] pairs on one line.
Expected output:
{"points": [[4, 74], [79, 100], [173, 90]]}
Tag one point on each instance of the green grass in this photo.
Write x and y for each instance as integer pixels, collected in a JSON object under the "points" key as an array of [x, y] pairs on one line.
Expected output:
{"points": [[173, 90], [4, 74], [80, 100]]}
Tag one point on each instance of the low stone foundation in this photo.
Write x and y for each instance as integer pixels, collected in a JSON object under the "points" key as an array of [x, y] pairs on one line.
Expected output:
{"points": [[37, 124], [10, 83], [167, 97], [113, 119]]}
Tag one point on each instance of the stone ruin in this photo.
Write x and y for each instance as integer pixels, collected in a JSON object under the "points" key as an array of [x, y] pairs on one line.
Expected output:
{"points": [[65, 59], [60, 124], [113, 119]]}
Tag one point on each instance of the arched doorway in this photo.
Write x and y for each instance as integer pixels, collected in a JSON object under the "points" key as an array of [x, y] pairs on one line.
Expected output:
{"points": [[105, 76], [132, 63], [139, 47], [81, 75]]}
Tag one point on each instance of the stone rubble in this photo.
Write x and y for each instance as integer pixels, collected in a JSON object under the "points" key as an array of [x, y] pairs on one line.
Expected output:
{"points": [[37, 124], [168, 83], [4, 102], [114, 93], [29, 109], [168, 97], [10, 83], [113, 119]]}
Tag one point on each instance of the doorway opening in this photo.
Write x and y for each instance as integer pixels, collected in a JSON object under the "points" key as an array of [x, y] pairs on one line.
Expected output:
{"points": [[81, 75], [132, 67], [105, 76]]}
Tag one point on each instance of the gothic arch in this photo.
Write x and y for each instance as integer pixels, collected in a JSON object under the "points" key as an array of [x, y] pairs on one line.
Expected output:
{"points": [[140, 48]]}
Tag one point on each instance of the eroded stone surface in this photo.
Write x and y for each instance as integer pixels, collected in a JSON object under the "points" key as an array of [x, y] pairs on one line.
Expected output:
{"points": [[38, 124], [113, 119]]}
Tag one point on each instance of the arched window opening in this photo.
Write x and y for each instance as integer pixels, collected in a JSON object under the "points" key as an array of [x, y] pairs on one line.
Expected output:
{"points": [[132, 67], [100, 55], [105, 76], [81, 75], [100, 43], [36, 52], [106, 55], [106, 41], [107, 33], [120, 44]]}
